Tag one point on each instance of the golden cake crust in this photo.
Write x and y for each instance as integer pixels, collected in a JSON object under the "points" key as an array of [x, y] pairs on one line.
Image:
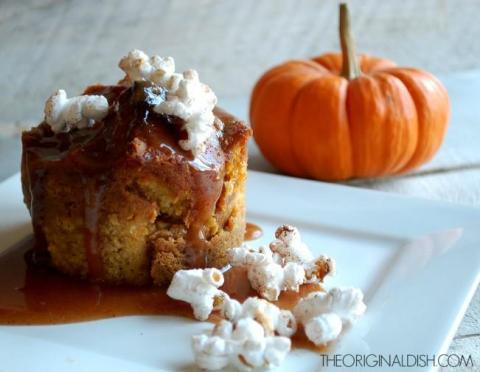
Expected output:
{"points": [[122, 203]]}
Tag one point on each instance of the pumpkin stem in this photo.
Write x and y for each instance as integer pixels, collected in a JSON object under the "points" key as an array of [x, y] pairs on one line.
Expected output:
{"points": [[350, 67]]}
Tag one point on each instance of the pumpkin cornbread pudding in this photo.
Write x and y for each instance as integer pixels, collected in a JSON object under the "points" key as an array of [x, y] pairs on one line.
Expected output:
{"points": [[130, 183]]}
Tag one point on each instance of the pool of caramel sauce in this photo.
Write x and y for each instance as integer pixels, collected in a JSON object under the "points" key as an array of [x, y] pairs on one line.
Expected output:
{"points": [[32, 294]]}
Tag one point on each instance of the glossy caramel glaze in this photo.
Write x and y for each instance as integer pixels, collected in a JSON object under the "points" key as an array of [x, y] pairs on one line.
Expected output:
{"points": [[129, 135]]}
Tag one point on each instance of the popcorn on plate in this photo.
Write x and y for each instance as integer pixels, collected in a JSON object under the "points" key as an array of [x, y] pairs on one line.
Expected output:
{"points": [[325, 314], [243, 344], [256, 334], [285, 264]]}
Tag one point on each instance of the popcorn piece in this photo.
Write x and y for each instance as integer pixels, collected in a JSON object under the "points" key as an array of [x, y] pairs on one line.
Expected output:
{"points": [[272, 318], [294, 276], [323, 328], [269, 316], [268, 280], [266, 276], [187, 98], [198, 287], [324, 315], [347, 303], [247, 255], [276, 350], [319, 268], [247, 329], [63, 114], [139, 67], [256, 333], [291, 248], [284, 265], [229, 308], [193, 102], [243, 344], [255, 350], [213, 352], [136, 65]]}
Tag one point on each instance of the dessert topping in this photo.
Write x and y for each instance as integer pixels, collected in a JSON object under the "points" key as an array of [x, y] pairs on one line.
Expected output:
{"points": [[186, 98], [63, 114], [138, 66], [198, 287], [325, 314], [243, 344]]}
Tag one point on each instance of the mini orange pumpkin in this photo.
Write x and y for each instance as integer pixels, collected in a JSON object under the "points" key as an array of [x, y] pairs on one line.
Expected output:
{"points": [[337, 116]]}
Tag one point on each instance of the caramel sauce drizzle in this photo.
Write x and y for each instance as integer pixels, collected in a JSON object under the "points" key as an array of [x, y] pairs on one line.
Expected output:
{"points": [[93, 195], [208, 187], [92, 155], [35, 294]]}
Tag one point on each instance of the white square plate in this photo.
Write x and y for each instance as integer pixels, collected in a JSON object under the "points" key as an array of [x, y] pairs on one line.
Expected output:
{"points": [[417, 262]]}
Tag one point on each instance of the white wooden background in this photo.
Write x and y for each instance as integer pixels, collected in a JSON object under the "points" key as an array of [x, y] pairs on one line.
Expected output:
{"points": [[50, 44]]}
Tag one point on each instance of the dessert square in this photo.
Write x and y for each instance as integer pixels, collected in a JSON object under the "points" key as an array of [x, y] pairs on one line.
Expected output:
{"points": [[136, 189]]}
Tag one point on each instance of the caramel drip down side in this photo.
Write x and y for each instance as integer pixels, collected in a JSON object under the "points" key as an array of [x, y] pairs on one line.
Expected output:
{"points": [[93, 196], [34, 186], [207, 188]]}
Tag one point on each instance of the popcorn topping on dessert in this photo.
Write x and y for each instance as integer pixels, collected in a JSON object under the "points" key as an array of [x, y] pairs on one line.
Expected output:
{"points": [[63, 114], [138, 66], [324, 315], [187, 98], [243, 344], [194, 103], [198, 287]]}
